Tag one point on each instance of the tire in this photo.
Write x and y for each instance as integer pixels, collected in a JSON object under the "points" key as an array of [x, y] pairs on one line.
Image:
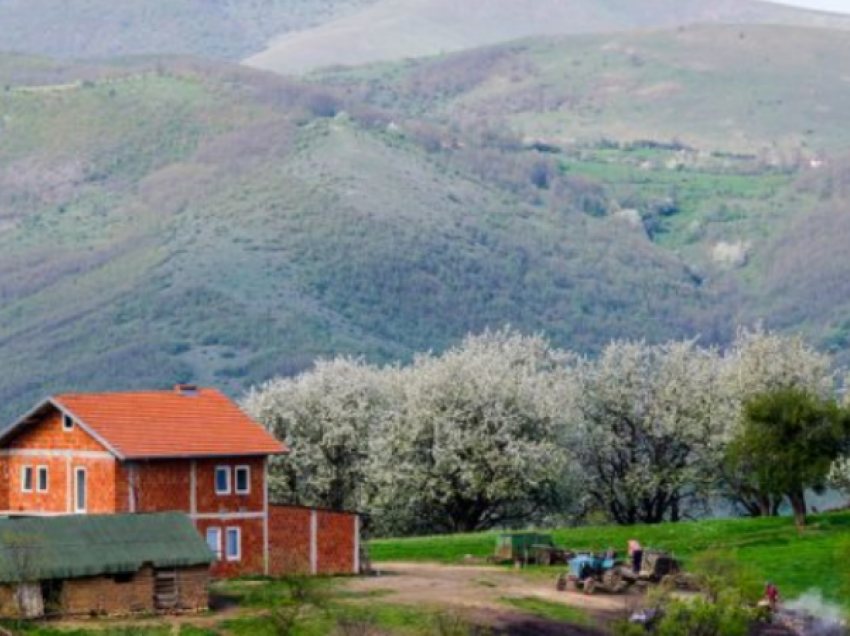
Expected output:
{"points": [[562, 583]]}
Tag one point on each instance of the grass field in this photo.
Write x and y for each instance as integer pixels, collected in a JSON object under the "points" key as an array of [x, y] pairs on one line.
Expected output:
{"points": [[797, 563]]}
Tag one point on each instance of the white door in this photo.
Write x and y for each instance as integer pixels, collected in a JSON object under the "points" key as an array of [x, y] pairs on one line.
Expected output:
{"points": [[80, 490]]}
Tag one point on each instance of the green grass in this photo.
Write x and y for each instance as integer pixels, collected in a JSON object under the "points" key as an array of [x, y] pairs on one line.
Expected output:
{"points": [[547, 609], [772, 546]]}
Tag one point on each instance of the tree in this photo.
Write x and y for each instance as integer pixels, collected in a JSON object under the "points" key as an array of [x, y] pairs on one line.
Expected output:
{"points": [[790, 440], [328, 419], [648, 420], [758, 362], [477, 442]]}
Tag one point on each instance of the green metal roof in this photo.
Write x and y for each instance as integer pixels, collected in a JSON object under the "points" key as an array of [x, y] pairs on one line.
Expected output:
{"points": [[42, 548]]}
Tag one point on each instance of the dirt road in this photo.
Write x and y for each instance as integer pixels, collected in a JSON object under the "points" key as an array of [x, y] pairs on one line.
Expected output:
{"points": [[480, 593]]}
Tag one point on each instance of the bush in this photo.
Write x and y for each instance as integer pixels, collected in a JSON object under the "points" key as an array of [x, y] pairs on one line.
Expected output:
{"points": [[703, 618]]}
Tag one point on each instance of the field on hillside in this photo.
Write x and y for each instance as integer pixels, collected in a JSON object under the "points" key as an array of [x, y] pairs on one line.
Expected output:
{"points": [[798, 564]]}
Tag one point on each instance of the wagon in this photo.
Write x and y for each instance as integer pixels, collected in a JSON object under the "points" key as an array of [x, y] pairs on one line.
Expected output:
{"points": [[526, 547]]}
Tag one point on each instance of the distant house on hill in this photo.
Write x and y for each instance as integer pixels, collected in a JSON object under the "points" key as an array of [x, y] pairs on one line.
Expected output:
{"points": [[102, 564], [189, 450]]}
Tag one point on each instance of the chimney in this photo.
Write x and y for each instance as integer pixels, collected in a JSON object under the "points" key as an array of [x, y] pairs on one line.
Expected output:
{"points": [[186, 389]]}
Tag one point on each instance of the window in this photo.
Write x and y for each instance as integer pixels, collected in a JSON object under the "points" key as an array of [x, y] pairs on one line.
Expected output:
{"points": [[243, 480], [43, 479], [214, 541], [80, 491], [234, 544], [26, 478], [222, 480], [67, 423]]}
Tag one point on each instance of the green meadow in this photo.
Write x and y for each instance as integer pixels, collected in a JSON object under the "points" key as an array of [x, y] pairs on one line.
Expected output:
{"points": [[796, 562]]}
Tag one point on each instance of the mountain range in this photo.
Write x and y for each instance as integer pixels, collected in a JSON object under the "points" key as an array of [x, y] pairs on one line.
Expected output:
{"points": [[169, 219]]}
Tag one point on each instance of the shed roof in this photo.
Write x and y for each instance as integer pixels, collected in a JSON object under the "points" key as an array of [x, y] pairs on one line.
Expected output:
{"points": [[42, 548], [186, 422]]}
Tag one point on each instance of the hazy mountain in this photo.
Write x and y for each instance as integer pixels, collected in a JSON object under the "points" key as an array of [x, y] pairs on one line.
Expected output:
{"points": [[397, 29], [226, 29]]}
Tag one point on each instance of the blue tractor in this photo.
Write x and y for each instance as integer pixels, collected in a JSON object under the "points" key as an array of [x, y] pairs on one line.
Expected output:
{"points": [[590, 573]]}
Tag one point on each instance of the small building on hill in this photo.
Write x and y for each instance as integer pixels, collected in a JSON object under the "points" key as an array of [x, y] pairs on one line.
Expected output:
{"points": [[189, 450], [102, 565]]}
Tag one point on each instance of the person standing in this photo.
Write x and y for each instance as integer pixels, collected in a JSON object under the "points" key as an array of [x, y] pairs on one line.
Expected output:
{"points": [[636, 555]]}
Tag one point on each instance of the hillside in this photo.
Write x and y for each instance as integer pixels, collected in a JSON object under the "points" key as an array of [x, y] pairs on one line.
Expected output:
{"points": [[171, 221], [225, 29], [769, 90], [400, 29]]}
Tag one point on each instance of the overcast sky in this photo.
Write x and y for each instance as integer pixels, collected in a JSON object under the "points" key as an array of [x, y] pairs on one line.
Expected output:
{"points": [[842, 6]]}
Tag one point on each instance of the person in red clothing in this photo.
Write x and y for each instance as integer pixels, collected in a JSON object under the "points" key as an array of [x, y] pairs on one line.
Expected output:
{"points": [[771, 595]]}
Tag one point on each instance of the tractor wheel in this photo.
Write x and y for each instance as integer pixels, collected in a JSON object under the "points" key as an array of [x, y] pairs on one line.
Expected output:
{"points": [[562, 583], [613, 580]]}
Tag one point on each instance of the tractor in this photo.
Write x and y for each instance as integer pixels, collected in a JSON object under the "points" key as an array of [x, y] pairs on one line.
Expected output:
{"points": [[591, 573]]}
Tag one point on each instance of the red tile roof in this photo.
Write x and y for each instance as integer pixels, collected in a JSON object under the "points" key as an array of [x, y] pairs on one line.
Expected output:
{"points": [[161, 424]]}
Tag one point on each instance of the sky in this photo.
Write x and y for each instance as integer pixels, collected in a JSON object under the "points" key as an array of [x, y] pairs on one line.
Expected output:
{"points": [[841, 6]]}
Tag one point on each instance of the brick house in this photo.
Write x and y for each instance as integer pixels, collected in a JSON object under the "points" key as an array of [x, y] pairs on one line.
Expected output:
{"points": [[189, 450]]}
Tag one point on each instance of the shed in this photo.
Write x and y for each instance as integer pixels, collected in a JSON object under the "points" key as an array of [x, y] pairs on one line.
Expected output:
{"points": [[102, 564]]}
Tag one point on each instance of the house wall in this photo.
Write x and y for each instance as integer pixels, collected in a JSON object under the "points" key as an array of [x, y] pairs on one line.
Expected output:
{"points": [[252, 559], [45, 443], [102, 595]]}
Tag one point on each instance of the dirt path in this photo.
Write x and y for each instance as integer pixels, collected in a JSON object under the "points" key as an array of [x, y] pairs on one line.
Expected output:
{"points": [[480, 592]]}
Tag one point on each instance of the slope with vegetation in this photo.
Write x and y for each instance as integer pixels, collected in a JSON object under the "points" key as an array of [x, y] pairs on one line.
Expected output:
{"points": [[168, 220], [225, 29], [694, 137], [400, 29]]}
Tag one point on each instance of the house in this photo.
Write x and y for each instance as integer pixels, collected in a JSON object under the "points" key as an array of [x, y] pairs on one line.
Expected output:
{"points": [[102, 564], [189, 450]]}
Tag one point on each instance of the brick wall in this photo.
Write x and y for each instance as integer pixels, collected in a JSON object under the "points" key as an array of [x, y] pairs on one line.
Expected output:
{"points": [[162, 486], [207, 499], [252, 560], [104, 595], [291, 535], [289, 540], [48, 433], [46, 443], [336, 542]]}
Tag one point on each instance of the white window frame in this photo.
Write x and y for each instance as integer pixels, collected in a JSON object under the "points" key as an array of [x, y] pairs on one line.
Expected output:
{"points": [[67, 423], [27, 469], [216, 550], [42, 470], [238, 531], [247, 470], [77, 472], [227, 471]]}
